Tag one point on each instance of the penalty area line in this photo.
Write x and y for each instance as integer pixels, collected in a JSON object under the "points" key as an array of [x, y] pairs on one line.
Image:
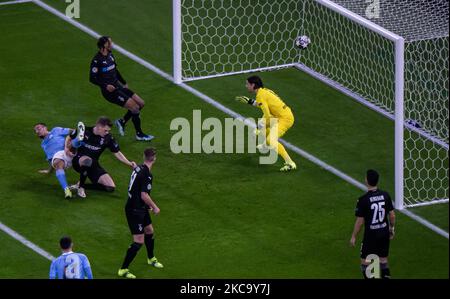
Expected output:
{"points": [[15, 2], [12, 233]]}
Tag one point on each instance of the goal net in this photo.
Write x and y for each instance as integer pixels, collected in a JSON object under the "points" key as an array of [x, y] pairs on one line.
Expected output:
{"points": [[355, 47]]}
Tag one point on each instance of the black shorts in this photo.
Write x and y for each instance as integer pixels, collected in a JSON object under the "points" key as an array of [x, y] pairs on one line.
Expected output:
{"points": [[94, 172], [137, 220], [378, 245], [119, 96]]}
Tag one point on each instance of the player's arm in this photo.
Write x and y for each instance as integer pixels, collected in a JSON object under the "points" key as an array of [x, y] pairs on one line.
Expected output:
{"points": [[68, 143], [52, 274], [94, 74], [356, 229], [124, 160], [390, 210], [359, 213], [149, 202], [48, 170], [115, 149], [87, 267], [391, 224], [119, 75], [245, 100], [120, 78], [266, 112]]}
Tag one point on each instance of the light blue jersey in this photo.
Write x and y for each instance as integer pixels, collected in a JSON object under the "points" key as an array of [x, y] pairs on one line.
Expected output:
{"points": [[54, 142], [71, 265]]}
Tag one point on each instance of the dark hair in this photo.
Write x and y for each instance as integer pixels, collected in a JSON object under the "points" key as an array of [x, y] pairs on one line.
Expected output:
{"points": [[149, 154], [255, 80], [372, 177], [42, 124], [104, 121], [102, 41], [65, 242]]}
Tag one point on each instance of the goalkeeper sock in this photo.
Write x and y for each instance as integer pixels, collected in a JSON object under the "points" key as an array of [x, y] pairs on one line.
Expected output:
{"points": [[149, 244], [131, 254], [283, 153], [385, 272], [61, 176]]}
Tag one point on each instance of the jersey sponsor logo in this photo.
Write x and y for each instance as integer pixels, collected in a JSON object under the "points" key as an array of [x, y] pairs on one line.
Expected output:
{"points": [[107, 69], [102, 141], [94, 69], [121, 98], [104, 62], [92, 147]]}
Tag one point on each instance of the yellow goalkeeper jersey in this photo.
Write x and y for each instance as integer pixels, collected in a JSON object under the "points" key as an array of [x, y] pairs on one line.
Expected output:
{"points": [[271, 105]]}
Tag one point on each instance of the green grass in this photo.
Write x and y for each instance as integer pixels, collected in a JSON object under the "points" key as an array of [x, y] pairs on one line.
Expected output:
{"points": [[222, 216]]}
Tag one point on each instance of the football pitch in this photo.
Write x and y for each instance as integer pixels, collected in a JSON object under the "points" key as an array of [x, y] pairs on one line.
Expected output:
{"points": [[222, 215]]}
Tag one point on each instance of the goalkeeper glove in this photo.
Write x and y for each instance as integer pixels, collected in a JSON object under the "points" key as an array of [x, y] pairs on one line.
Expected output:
{"points": [[245, 100]]}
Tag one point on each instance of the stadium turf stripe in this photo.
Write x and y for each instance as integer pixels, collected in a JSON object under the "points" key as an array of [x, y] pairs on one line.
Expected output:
{"points": [[230, 112], [26, 242]]}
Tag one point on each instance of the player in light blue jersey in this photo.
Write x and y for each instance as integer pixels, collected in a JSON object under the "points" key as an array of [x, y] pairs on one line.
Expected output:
{"points": [[70, 265], [59, 146]]}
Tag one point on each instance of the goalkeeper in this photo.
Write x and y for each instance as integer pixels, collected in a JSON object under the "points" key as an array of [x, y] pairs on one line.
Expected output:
{"points": [[272, 107]]}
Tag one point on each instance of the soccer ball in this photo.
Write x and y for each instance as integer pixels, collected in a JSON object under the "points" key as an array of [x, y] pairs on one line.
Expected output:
{"points": [[302, 42]]}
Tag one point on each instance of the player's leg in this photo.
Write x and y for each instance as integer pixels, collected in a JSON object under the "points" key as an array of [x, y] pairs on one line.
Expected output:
{"points": [[59, 165], [106, 183], [133, 249], [132, 108], [136, 224], [282, 127], [384, 268], [150, 243], [82, 165], [78, 135], [383, 253], [366, 249], [134, 104], [135, 97], [100, 179]]}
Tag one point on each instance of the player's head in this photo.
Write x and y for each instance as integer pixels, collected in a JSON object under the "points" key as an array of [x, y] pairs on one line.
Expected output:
{"points": [[41, 130], [103, 126], [66, 243], [150, 155], [104, 42], [372, 178], [253, 83]]}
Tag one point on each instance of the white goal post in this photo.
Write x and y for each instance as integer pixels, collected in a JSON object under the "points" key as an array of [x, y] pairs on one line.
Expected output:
{"points": [[393, 70]]}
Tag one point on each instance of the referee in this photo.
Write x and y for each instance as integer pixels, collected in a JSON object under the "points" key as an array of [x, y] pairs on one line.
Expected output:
{"points": [[137, 212], [114, 88], [373, 210]]}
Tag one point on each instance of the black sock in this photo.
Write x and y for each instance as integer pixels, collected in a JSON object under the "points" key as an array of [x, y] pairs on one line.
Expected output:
{"points": [[363, 270], [385, 272], [137, 123], [126, 117], [83, 176], [100, 187], [150, 244], [131, 254]]}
